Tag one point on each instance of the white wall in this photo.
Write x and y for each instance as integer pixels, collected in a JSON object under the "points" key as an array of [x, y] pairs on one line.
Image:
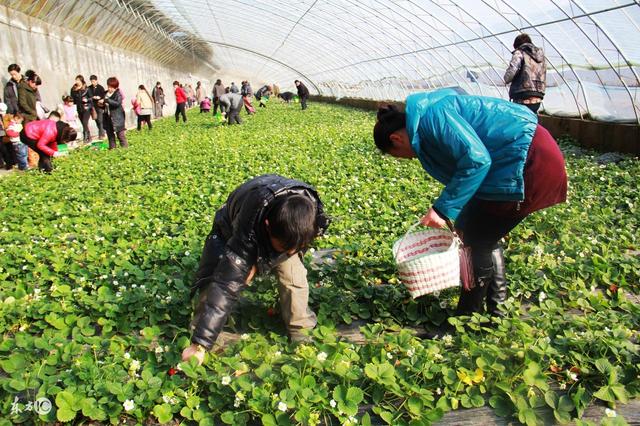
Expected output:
{"points": [[58, 55]]}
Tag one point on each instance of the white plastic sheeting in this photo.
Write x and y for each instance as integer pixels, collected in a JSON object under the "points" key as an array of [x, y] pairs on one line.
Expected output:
{"points": [[386, 49], [58, 55]]}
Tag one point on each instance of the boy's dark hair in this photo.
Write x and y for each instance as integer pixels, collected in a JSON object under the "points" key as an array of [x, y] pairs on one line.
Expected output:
{"points": [[176, 83], [292, 221], [521, 39], [390, 120], [93, 77], [55, 113], [13, 67]]}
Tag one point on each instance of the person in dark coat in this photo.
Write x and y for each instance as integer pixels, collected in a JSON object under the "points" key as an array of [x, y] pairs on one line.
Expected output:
{"points": [[114, 115], [498, 166], [97, 94], [28, 96], [263, 92], [286, 96], [80, 94], [158, 99], [266, 224], [303, 93], [11, 89]]}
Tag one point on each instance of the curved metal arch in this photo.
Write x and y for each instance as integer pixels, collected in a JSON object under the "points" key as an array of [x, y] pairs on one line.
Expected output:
{"points": [[614, 44], [508, 48], [578, 79], [443, 63], [265, 57]]}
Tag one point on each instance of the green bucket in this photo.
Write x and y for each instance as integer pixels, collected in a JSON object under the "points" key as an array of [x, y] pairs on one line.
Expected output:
{"points": [[63, 147], [101, 145]]}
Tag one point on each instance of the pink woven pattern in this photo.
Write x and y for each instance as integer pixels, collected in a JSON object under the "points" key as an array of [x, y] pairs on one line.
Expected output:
{"points": [[428, 261]]}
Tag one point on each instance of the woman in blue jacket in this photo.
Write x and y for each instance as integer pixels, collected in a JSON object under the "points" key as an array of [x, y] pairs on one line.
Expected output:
{"points": [[497, 164]]}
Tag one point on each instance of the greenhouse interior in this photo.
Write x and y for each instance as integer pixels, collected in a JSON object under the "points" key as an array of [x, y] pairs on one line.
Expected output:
{"points": [[320, 212]]}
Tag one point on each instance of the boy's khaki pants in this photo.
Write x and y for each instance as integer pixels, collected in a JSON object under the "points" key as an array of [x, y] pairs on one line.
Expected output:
{"points": [[293, 289]]}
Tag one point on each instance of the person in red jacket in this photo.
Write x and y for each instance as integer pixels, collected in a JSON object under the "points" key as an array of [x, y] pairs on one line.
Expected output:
{"points": [[43, 136], [181, 101]]}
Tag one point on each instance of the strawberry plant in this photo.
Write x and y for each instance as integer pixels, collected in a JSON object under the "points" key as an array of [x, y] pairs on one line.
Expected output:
{"points": [[98, 257]]}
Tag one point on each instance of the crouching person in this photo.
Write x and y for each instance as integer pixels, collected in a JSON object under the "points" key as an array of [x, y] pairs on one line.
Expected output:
{"points": [[232, 104], [43, 136], [265, 225]]}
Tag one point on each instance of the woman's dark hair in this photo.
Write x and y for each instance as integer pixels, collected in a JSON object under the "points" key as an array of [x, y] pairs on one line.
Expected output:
{"points": [[81, 78], [158, 83], [66, 133], [521, 39], [176, 83], [31, 75], [13, 67], [113, 82], [54, 114], [218, 81], [292, 221], [390, 120], [141, 87], [67, 98]]}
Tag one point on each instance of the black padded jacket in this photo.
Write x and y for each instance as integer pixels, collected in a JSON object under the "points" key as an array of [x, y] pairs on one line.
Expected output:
{"points": [[240, 224]]}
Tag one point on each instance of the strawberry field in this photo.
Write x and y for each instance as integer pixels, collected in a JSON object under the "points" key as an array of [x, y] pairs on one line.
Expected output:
{"points": [[97, 260]]}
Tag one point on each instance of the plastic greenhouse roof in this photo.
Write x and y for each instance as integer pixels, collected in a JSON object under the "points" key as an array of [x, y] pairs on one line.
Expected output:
{"points": [[386, 49]]}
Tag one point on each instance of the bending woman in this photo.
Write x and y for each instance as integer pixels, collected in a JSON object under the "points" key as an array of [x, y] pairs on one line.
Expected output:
{"points": [[498, 166]]}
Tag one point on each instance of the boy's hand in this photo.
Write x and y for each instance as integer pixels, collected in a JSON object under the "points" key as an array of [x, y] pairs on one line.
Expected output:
{"points": [[194, 350], [252, 273]]}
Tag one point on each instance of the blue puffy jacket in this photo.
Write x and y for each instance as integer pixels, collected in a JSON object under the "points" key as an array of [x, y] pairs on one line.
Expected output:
{"points": [[474, 145]]}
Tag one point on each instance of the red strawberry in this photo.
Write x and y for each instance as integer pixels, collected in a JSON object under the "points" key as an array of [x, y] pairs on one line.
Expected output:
{"points": [[613, 288], [271, 312], [172, 371]]}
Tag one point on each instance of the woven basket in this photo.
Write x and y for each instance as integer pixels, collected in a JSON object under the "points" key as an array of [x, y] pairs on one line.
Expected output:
{"points": [[428, 260]]}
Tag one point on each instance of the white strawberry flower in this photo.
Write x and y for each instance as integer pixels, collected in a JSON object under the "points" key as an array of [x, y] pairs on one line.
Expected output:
{"points": [[610, 413], [127, 355], [129, 405], [282, 406], [333, 403], [225, 380], [322, 356]]}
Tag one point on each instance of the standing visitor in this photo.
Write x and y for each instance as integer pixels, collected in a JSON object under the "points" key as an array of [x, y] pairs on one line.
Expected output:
{"points": [[527, 73], [200, 93], [191, 95], [114, 115], [97, 93], [28, 96], [303, 93], [80, 94], [7, 153], [27, 105], [234, 88], [158, 99], [247, 93], [232, 103], [181, 101], [143, 98], [265, 225], [498, 166], [11, 89], [13, 126], [218, 90], [43, 136], [69, 113]]}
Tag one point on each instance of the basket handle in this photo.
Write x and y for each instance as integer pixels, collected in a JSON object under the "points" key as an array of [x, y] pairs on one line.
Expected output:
{"points": [[411, 229]]}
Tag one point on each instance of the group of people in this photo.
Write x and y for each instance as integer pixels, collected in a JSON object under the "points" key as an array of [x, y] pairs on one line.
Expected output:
{"points": [[497, 165], [230, 100]]}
